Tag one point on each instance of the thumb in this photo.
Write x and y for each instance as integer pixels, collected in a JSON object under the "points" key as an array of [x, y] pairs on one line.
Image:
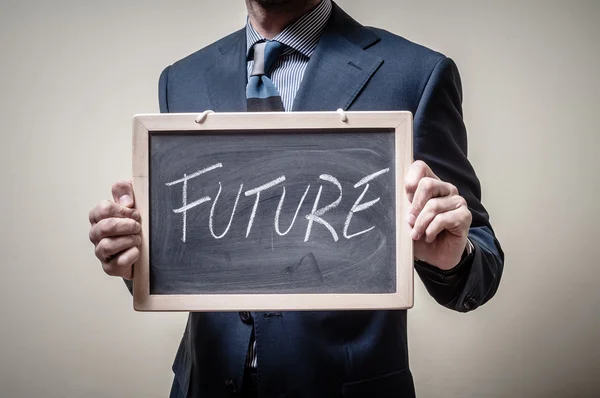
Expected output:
{"points": [[122, 193]]}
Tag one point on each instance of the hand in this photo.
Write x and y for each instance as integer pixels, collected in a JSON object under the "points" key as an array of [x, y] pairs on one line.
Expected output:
{"points": [[116, 230], [439, 217]]}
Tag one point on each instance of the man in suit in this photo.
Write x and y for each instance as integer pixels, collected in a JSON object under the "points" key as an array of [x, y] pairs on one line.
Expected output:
{"points": [[329, 61]]}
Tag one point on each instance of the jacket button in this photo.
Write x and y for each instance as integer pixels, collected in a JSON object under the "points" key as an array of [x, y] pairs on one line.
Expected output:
{"points": [[246, 317], [230, 387]]}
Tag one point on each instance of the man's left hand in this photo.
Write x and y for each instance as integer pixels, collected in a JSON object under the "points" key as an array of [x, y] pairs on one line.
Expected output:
{"points": [[439, 217]]}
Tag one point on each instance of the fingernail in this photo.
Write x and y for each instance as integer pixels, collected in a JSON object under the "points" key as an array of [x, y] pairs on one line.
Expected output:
{"points": [[135, 215], [414, 234], [411, 219], [125, 200]]}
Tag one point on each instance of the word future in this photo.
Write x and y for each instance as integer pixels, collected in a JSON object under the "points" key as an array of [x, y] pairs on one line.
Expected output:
{"points": [[315, 216]]}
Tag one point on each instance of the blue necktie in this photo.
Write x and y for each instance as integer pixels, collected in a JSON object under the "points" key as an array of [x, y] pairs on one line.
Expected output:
{"points": [[261, 93]]}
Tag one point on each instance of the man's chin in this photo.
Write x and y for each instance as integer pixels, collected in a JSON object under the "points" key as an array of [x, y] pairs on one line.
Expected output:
{"points": [[278, 4], [275, 2]]}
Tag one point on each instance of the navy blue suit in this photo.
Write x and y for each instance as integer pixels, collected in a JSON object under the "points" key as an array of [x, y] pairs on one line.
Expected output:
{"points": [[336, 354]]}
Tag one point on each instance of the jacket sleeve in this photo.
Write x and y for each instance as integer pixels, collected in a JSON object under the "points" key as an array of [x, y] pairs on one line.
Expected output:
{"points": [[440, 140], [163, 83]]}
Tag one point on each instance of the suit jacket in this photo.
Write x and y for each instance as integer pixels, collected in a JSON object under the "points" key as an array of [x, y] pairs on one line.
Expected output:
{"points": [[336, 354]]}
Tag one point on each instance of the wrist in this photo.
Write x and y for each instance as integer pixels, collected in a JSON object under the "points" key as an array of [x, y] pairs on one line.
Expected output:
{"points": [[469, 249], [465, 259]]}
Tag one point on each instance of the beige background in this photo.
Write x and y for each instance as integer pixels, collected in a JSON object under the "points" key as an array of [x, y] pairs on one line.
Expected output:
{"points": [[72, 73]]}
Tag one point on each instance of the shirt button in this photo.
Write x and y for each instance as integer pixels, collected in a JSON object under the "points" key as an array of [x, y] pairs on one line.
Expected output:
{"points": [[230, 387], [246, 317]]}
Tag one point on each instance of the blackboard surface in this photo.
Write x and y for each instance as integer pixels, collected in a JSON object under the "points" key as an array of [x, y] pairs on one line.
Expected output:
{"points": [[194, 252]]}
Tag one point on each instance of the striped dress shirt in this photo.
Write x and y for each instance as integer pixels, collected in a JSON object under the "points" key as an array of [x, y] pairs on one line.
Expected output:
{"points": [[300, 39]]}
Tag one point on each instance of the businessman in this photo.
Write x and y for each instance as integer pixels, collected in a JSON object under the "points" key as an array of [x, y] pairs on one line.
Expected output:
{"points": [[309, 55]]}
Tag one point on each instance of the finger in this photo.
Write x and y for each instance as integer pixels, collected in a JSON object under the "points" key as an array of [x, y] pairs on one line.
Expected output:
{"points": [[428, 188], [122, 193], [122, 264], [456, 222], [108, 247], [108, 209], [432, 208], [109, 227], [417, 171]]}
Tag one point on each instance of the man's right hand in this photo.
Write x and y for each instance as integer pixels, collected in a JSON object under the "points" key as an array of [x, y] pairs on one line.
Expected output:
{"points": [[115, 231]]}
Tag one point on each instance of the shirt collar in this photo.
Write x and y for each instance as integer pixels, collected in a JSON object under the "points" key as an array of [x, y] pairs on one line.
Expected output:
{"points": [[302, 35]]}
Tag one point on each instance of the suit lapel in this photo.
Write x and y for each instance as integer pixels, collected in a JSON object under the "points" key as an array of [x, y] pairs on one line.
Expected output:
{"points": [[339, 68], [336, 73], [226, 79]]}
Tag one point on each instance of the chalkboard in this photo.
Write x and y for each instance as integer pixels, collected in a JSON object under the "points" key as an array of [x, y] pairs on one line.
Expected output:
{"points": [[272, 211]]}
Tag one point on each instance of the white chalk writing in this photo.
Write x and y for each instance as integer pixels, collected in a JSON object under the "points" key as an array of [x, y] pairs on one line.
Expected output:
{"points": [[278, 212], [362, 206], [212, 212], [185, 206], [257, 191], [317, 214]]}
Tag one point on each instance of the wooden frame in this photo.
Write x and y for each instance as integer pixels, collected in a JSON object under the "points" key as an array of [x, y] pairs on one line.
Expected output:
{"points": [[144, 125]]}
